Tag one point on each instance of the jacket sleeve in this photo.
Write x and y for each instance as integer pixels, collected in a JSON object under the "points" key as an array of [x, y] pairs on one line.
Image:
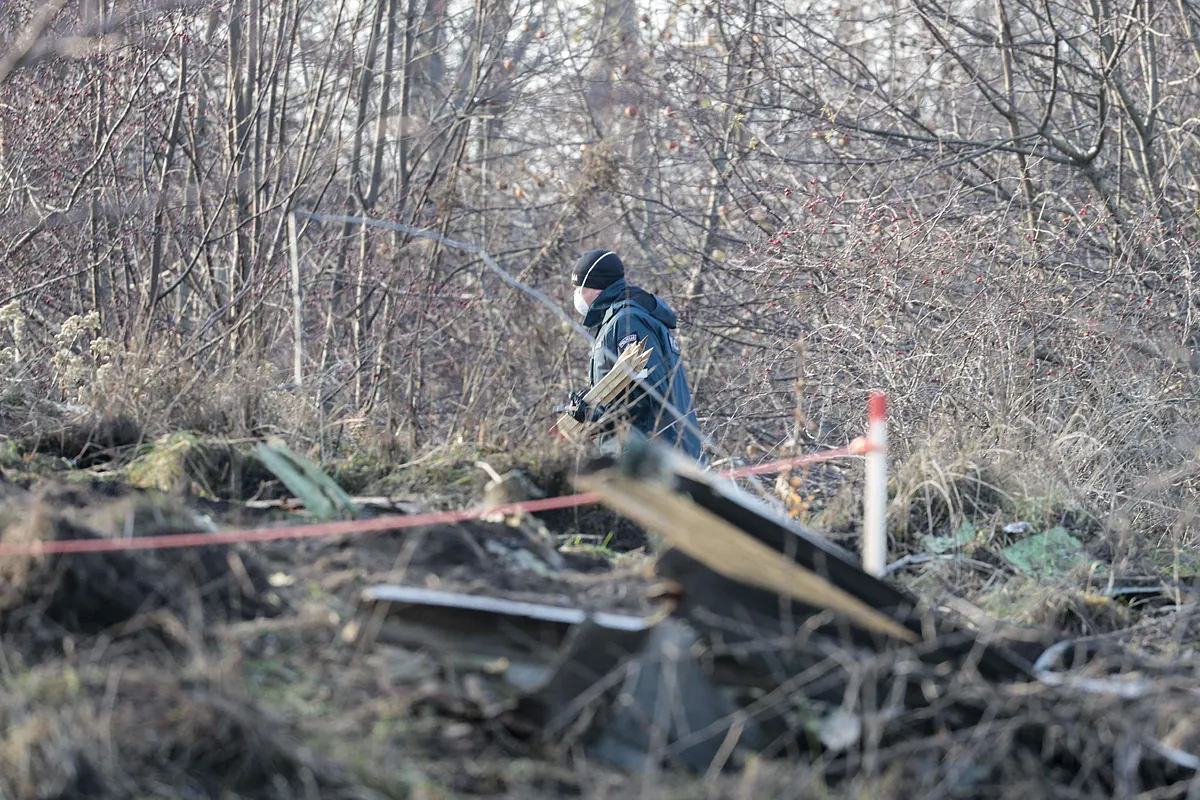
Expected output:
{"points": [[626, 329]]}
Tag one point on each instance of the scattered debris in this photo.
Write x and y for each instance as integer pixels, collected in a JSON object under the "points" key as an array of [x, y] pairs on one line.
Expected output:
{"points": [[770, 641], [952, 543], [322, 497], [1053, 552], [749, 643]]}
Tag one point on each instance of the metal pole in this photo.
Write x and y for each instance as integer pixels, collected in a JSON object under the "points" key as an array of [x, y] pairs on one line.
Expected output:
{"points": [[874, 547], [297, 308]]}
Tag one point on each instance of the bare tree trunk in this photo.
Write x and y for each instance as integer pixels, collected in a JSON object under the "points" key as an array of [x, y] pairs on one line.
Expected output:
{"points": [[362, 101], [238, 100], [297, 305], [1004, 30], [362, 295], [160, 202]]}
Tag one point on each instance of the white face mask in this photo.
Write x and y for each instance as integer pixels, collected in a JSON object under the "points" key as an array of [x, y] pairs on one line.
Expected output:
{"points": [[581, 305]]}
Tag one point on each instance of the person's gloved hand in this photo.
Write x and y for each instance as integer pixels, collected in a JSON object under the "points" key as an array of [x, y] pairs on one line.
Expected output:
{"points": [[570, 406], [580, 410]]}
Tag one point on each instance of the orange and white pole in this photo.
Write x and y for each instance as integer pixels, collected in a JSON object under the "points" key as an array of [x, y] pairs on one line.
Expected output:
{"points": [[874, 545]]}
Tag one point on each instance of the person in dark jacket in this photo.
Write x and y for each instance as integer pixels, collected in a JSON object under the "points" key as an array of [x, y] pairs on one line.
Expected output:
{"points": [[618, 314]]}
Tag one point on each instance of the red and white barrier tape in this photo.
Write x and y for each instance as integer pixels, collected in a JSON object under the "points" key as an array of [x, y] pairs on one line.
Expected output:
{"points": [[306, 531], [859, 446]]}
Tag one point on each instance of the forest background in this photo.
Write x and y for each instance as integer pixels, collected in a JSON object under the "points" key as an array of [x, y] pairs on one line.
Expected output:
{"points": [[986, 209]]}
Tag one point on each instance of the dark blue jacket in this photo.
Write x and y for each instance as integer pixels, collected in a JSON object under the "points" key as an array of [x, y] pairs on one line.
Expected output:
{"points": [[621, 315]]}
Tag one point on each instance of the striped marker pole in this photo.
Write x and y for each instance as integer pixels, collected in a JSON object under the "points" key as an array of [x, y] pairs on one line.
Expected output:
{"points": [[874, 545]]}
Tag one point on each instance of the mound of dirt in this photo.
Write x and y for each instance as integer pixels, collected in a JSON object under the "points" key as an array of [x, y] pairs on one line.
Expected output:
{"points": [[85, 442], [184, 463], [46, 598], [96, 734]]}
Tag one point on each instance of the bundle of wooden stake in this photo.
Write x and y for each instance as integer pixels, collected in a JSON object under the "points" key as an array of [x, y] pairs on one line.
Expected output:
{"points": [[630, 366]]}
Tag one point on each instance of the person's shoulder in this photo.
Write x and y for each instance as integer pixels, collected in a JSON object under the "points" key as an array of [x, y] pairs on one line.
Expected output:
{"points": [[624, 326], [630, 313], [628, 337]]}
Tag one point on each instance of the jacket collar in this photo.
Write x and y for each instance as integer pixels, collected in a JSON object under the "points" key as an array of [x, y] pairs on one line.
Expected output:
{"points": [[603, 302]]}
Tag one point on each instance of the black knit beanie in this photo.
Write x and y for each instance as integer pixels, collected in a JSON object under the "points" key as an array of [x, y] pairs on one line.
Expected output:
{"points": [[597, 269]]}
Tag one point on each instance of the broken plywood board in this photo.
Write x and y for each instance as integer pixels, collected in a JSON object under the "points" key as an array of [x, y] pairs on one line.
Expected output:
{"points": [[733, 550], [525, 642], [320, 494], [566, 667], [641, 490]]}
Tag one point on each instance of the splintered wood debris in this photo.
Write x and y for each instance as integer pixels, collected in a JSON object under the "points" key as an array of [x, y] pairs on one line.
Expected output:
{"points": [[773, 642], [320, 494], [631, 364]]}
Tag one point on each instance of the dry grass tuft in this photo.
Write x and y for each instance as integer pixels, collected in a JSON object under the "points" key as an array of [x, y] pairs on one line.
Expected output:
{"points": [[932, 495]]}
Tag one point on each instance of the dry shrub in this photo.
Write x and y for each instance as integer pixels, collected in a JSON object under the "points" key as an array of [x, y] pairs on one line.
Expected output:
{"points": [[932, 495], [938, 488], [163, 392], [81, 394], [1008, 372]]}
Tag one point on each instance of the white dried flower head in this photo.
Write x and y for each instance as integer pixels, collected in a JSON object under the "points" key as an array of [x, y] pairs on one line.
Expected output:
{"points": [[69, 331], [70, 369], [105, 375], [11, 313], [75, 327], [104, 348]]}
